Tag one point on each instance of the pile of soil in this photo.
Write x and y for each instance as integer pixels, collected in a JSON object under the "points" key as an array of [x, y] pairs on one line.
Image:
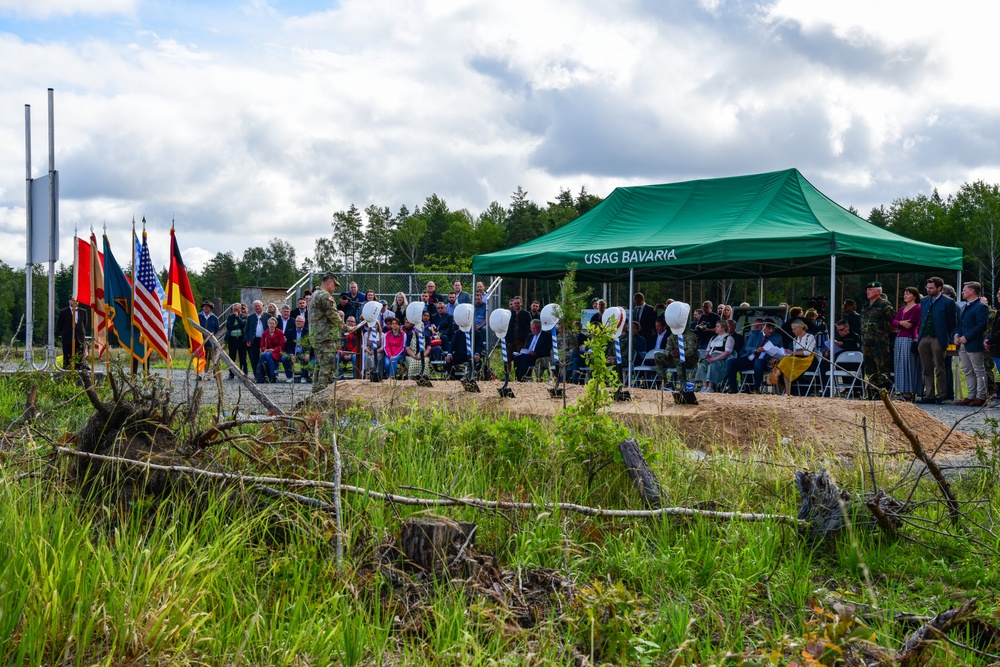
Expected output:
{"points": [[735, 422]]}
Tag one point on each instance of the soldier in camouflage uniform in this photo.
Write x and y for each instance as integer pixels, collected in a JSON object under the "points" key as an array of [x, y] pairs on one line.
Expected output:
{"points": [[876, 324], [325, 325], [668, 356]]}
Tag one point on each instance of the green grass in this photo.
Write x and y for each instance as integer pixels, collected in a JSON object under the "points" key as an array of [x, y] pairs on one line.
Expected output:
{"points": [[173, 583]]}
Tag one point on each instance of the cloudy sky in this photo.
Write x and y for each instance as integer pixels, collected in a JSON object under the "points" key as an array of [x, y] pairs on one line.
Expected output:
{"points": [[245, 120]]}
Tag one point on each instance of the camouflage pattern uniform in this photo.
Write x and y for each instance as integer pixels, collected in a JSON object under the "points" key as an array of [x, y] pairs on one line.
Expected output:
{"points": [[665, 359], [876, 324], [325, 325]]}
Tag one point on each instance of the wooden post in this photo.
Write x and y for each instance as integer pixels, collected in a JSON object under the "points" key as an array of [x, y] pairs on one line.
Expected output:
{"points": [[431, 543]]}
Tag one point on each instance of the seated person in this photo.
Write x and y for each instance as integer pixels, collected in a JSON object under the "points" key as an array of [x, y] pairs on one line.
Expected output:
{"points": [[372, 347], [844, 340], [670, 355], [576, 363], [638, 347], [444, 323], [272, 348], [798, 358], [458, 352], [751, 355], [712, 369], [393, 343], [415, 354], [538, 346], [661, 336], [348, 352], [297, 348]]}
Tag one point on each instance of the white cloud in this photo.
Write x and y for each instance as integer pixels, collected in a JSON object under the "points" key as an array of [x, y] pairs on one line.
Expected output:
{"points": [[49, 8], [245, 125]]}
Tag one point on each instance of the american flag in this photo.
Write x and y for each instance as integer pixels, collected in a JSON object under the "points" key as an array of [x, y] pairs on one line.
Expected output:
{"points": [[148, 313]]}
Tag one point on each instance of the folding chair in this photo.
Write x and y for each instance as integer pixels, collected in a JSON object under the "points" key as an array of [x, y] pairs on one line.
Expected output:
{"points": [[841, 376], [645, 374]]}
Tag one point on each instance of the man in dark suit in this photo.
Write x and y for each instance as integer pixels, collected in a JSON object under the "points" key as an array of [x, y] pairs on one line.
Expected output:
{"points": [[72, 326], [301, 308], [256, 326], [209, 322], [938, 320], [445, 324], [538, 346], [644, 314], [297, 347], [969, 337]]}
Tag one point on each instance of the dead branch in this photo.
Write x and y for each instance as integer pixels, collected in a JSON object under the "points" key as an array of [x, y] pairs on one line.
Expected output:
{"points": [[950, 499], [264, 399], [203, 438], [477, 503], [931, 631]]}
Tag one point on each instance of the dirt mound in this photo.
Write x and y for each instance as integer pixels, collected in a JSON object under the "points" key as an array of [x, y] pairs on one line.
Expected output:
{"points": [[731, 421]]}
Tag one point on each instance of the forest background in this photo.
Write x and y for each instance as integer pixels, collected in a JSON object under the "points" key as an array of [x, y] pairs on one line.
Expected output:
{"points": [[432, 238]]}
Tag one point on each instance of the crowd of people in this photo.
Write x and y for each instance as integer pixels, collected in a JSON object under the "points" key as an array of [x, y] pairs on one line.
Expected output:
{"points": [[907, 350]]}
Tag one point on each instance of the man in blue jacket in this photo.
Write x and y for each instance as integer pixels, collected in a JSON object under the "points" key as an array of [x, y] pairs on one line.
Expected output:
{"points": [[969, 339], [938, 320]]}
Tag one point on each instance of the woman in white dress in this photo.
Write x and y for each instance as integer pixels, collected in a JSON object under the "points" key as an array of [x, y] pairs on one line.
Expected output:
{"points": [[712, 369]]}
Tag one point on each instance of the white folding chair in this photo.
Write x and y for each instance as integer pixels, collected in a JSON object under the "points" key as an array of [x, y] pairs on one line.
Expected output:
{"points": [[841, 376], [645, 374]]}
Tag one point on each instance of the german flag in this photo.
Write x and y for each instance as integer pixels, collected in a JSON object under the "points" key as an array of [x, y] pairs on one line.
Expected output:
{"points": [[180, 300]]}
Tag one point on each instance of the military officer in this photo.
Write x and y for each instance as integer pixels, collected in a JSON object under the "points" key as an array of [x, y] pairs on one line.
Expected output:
{"points": [[325, 326], [876, 324]]}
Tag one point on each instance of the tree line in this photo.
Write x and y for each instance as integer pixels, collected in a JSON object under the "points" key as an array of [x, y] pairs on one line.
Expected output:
{"points": [[434, 238]]}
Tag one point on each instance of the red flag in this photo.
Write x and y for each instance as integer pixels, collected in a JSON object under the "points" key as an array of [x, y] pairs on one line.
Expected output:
{"points": [[180, 300], [81, 270]]}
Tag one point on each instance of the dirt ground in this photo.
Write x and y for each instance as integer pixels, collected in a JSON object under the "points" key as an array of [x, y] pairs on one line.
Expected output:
{"points": [[733, 421]]}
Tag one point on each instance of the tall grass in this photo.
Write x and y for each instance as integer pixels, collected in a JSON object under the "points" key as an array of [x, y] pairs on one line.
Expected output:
{"points": [[190, 583]]}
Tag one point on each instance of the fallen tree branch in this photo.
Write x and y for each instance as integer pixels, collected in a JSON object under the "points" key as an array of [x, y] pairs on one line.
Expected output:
{"points": [[918, 450], [931, 631], [234, 368], [442, 502]]}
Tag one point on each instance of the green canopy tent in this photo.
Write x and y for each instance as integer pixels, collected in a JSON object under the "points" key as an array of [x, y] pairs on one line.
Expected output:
{"points": [[775, 224]]}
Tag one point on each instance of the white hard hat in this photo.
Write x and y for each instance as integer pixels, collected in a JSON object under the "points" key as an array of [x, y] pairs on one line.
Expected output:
{"points": [[370, 311], [550, 316], [618, 315], [499, 321], [414, 312], [464, 314], [677, 317]]}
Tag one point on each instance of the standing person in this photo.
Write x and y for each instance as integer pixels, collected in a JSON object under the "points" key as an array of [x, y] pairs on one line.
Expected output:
{"points": [[72, 327], [993, 340], [705, 328], [254, 331], [644, 314], [907, 325], [301, 308], [208, 321], [850, 313], [876, 325], [461, 296], [398, 307], [938, 319], [354, 293], [325, 328], [236, 322], [969, 337], [432, 294], [479, 321]]}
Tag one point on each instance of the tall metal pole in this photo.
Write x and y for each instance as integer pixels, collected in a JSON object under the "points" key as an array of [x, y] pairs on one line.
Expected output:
{"points": [[631, 293], [50, 353], [760, 291], [28, 266], [831, 320], [472, 333]]}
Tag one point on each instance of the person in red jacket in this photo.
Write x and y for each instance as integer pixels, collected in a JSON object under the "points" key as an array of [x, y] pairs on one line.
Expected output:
{"points": [[272, 352]]}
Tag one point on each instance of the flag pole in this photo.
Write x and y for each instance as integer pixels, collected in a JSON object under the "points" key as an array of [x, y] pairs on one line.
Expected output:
{"points": [[107, 348], [72, 311], [93, 313]]}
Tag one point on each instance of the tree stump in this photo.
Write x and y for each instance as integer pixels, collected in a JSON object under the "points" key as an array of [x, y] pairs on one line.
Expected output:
{"points": [[430, 544], [822, 503], [642, 475]]}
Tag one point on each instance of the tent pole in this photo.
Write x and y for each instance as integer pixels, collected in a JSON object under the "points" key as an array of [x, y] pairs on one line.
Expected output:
{"points": [[760, 291], [472, 334], [831, 320], [631, 286], [958, 285]]}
